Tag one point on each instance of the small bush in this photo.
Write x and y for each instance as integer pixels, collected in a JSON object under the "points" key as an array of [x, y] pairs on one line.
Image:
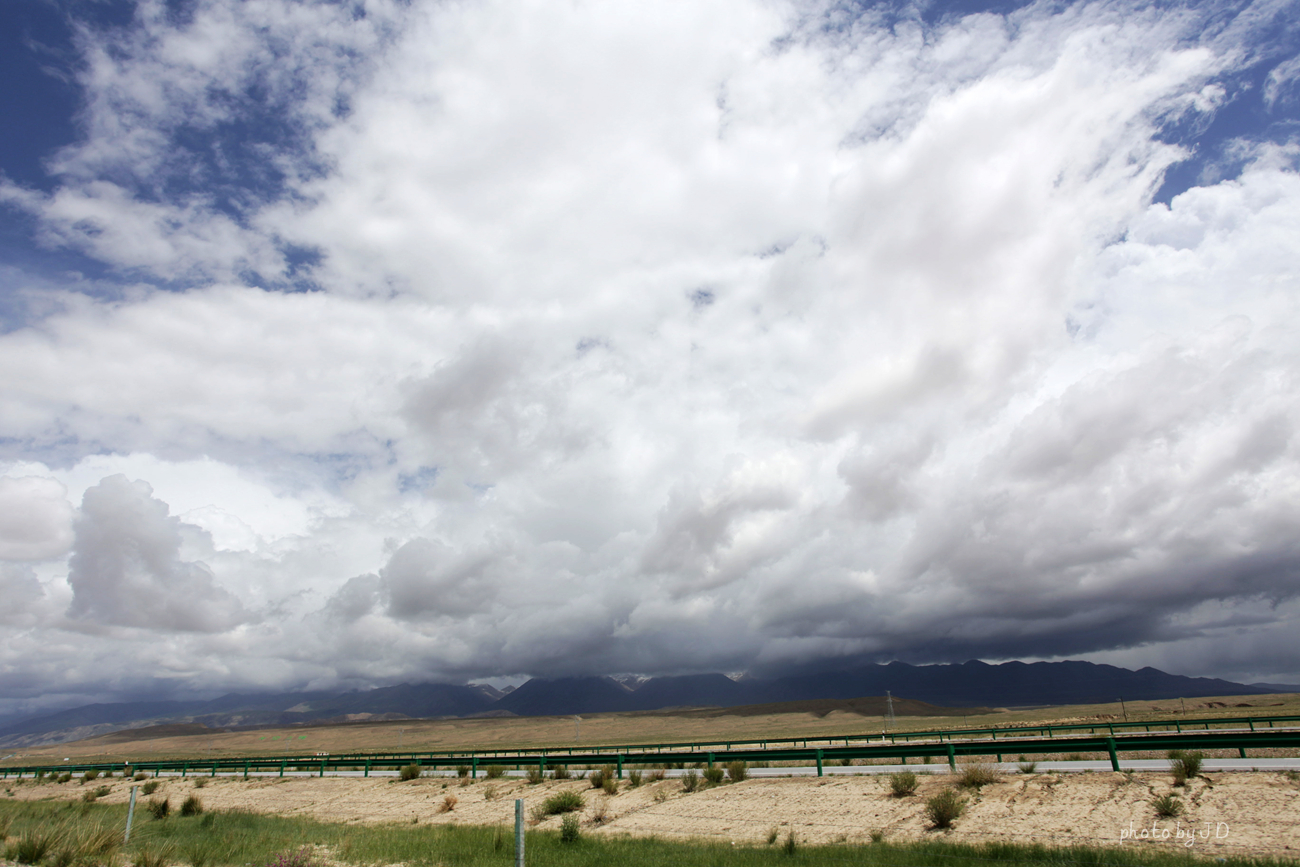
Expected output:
{"points": [[1167, 806], [846, 763], [490, 793], [737, 771], [877, 836], [150, 787], [192, 806], [494, 772], [634, 779], [713, 776], [64, 777], [597, 778], [902, 784], [925, 760], [772, 834], [462, 771], [561, 772], [140, 776], [1185, 766], [88, 776], [534, 776], [159, 809], [658, 774], [1027, 767], [562, 802], [410, 772], [944, 808], [95, 794], [975, 776], [448, 804], [690, 781], [1074, 757], [200, 782], [610, 785], [569, 831], [599, 811], [790, 845]]}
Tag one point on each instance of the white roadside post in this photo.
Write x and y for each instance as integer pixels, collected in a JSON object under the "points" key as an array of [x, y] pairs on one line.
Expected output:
{"points": [[519, 832], [130, 814]]}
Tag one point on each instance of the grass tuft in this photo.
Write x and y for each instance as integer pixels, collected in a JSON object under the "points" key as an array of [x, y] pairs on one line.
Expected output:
{"points": [[976, 776], [690, 781], [410, 772], [1185, 766], [563, 802], [1168, 806], [494, 772], [192, 806]]}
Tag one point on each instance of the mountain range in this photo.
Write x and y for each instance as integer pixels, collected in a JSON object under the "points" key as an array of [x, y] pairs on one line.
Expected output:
{"points": [[969, 684]]}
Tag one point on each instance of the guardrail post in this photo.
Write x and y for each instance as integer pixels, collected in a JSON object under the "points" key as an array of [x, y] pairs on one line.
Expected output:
{"points": [[519, 832], [130, 814], [473, 767], [819, 763], [620, 766], [322, 768], [1114, 759], [185, 769], [245, 769], [282, 767], [1251, 723], [1241, 751], [367, 773], [711, 758], [952, 757]]}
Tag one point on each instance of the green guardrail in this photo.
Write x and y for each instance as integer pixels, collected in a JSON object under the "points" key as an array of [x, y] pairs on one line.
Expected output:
{"points": [[1112, 745], [1111, 727]]}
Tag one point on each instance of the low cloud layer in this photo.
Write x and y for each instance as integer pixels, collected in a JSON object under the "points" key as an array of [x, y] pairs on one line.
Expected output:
{"points": [[656, 340]]}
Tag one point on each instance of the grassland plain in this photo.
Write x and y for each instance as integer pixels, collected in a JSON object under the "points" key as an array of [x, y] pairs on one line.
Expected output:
{"points": [[704, 724], [87, 834], [1238, 814]]}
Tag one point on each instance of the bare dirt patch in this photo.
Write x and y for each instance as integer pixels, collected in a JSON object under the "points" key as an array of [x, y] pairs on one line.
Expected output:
{"points": [[1231, 813]]}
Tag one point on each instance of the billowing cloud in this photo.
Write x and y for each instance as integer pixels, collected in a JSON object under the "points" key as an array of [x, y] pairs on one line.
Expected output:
{"points": [[661, 338], [126, 567]]}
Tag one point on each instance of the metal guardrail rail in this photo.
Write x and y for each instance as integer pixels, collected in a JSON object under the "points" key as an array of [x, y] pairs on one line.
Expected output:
{"points": [[949, 749]]}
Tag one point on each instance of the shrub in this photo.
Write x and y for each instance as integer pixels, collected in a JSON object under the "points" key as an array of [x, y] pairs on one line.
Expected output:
{"points": [[494, 772], [569, 832], [1074, 757], [597, 778], [1167, 806], [140, 776], [925, 760], [462, 771], [975, 776], [846, 763], [902, 784], [772, 834], [713, 776], [150, 787], [599, 810], [534, 776], [64, 777], [790, 844], [1185, 766], [562, 802], [410, 772], [690, 781], [737, 771], [658, 774], [561, 772], [89, 775], [610, 785], [159, 809], [200, 782], [944, 808], [448, 804], [96, 793], [634, 779], [192, 806], [1027, 767]]}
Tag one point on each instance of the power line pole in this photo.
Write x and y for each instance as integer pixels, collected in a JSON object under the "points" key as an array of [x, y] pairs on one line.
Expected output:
{"points": [[889, 709]]}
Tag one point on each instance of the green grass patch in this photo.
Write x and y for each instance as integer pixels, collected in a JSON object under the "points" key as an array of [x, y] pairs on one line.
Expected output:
{"points": [[234, 839]]}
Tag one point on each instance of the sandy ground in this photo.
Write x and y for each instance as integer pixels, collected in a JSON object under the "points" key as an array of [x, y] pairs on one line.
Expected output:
{"points": [[1229, 813]]}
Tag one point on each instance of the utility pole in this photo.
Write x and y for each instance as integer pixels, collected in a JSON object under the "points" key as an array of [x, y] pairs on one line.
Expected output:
{"points": [[889, 709], [577, 728], [1123, 708]]}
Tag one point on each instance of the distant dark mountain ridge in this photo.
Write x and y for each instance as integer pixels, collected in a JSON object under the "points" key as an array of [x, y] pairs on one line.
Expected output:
{"points": [[969, 684]]}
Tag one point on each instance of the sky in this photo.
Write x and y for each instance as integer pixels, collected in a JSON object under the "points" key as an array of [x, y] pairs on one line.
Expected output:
{"points": [[357, 342]]}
